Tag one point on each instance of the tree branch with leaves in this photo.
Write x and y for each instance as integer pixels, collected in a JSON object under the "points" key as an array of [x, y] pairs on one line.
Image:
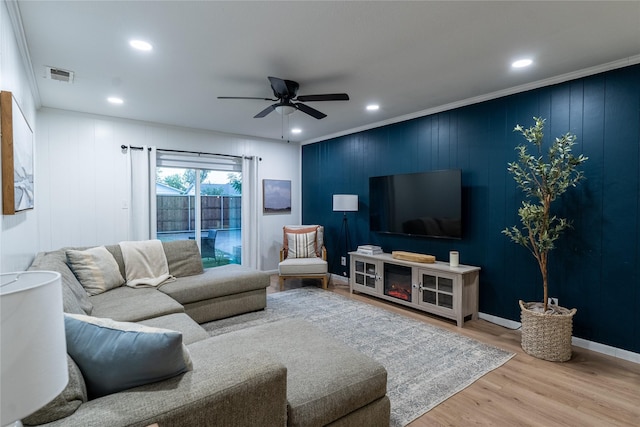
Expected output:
{"points": [[542, 180]]}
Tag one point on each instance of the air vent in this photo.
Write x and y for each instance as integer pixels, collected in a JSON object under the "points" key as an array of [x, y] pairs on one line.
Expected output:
{"points": [[59, 74]]}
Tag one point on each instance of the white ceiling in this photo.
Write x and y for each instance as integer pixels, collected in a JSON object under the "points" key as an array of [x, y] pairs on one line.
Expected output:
{"points": [[407, 56]]}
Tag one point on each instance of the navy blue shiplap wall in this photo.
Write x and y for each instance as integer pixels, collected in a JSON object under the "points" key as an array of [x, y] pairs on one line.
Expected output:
{"points": [[595, 267]]}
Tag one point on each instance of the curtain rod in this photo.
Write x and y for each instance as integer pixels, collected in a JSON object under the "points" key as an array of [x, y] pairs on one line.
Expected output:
{"points": [[131, 147], [124, 147]]}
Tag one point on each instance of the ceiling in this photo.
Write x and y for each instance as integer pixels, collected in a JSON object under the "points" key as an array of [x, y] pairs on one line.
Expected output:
{"points": [[409, 57]]}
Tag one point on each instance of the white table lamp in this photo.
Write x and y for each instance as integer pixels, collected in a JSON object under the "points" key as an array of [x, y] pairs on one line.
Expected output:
{"points": [[33, 346]]}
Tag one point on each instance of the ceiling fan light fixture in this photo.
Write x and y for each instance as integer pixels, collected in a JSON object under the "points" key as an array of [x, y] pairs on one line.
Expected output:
{"points": [[286, 91], [285, 110]]}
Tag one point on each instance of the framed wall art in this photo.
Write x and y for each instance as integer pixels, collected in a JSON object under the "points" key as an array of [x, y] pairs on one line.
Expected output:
{"points": [[276, 196], [17, 157]]}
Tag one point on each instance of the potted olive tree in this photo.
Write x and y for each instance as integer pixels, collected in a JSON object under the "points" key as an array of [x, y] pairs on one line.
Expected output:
{"points": [[546, 328]]}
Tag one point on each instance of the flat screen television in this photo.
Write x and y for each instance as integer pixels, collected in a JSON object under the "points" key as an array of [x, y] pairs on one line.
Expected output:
{"points": [[425, 204]]}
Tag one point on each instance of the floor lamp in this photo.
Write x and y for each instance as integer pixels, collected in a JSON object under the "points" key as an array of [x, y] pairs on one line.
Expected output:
{"points": [[345, 203]]}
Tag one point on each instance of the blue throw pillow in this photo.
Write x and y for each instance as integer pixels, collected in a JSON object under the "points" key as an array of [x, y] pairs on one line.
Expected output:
{"points": [[115, 356]]}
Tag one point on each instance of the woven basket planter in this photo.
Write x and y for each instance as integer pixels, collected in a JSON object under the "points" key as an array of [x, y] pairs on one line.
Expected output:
{"points": [[547, 336]]}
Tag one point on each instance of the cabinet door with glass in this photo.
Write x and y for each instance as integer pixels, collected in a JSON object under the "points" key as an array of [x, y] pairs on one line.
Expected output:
{"points": [[365, 275], [437, 290]]}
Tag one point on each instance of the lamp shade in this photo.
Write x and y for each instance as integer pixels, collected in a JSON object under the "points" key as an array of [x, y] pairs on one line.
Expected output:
{"points": [[33, 345], [345, 202]]}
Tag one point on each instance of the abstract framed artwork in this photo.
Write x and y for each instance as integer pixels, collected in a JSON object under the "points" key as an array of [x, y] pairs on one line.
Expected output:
{"points": [[17, 157], [276, 196]]}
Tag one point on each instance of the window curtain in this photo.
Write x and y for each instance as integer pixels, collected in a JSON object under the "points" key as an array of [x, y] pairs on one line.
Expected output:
{"points": [[250, 214], [141, 171]]}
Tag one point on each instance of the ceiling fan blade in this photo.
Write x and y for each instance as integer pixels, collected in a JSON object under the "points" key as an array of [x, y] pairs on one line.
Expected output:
{"points": [[325, 97], [266, 111], [285, 89], [310, 111], [246, 97]]}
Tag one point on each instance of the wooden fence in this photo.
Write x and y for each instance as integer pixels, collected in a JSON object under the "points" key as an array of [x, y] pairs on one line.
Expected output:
{"points": [[176, 213]]}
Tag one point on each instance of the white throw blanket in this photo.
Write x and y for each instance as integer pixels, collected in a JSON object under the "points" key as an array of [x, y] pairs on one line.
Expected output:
{"points": [[145, 263]]}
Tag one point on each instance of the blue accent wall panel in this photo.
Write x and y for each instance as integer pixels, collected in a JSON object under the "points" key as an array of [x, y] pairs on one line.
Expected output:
{"points": [[595, 267]]}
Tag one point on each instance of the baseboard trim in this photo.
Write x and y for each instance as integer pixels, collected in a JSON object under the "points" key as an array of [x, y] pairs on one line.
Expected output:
{"points": [[509, 324], [578, 342], [336, 277], [606, 349]]}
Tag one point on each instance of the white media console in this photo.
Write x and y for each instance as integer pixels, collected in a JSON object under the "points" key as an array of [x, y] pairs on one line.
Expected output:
{"points": [[436, 288]]}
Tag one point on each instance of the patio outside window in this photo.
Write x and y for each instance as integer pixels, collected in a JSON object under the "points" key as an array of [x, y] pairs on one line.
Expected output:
{"points": [[201, 204]]}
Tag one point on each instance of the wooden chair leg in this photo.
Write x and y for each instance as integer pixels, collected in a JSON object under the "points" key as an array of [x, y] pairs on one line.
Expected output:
{"points": [[324, 282], [281, 281]]}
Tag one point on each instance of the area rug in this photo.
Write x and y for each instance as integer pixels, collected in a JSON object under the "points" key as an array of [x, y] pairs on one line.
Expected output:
{"points": [[425, 364]]}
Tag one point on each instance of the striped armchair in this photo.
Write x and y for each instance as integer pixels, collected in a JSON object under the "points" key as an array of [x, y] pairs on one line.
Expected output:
{"points": [[303, 254]]}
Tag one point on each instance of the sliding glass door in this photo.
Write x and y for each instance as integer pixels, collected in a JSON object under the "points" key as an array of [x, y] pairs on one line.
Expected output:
{"points": [[203, 204]]}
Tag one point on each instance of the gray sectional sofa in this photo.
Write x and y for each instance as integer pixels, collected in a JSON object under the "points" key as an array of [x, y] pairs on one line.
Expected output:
{"points": [[283, 373]]}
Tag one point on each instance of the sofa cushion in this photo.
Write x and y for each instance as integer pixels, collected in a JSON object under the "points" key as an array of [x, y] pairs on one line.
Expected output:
{"points": [[117, 255], [181, 322], [216, 282], [225, 388], [326, 379], [183, 258], [298, 266], [134, 304], [64, 404], [70, 302], [57, 261], [115, 356], [96, 269]]}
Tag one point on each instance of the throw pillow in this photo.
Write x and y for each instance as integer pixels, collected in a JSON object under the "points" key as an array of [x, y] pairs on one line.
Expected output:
{"points": [[115, 356], [96, 269], [57, 261], [117, 255], [64, 404], [183, 257], [301, 243]]}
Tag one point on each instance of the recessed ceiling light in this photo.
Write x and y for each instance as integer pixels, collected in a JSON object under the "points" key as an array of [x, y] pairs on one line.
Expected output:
{"points": [[373, 107], [296, 130], [115, 100], [521, 63], [140, 45]]}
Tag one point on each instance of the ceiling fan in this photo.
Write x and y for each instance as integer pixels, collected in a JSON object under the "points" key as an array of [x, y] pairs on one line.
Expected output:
{"points": [[285, 92]]}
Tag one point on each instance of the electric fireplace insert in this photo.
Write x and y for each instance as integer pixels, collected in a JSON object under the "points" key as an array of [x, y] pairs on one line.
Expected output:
{"points": [[397, 281]]}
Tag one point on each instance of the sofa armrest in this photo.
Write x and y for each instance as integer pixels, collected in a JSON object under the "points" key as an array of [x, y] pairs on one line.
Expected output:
{"points": [[223, 389]]}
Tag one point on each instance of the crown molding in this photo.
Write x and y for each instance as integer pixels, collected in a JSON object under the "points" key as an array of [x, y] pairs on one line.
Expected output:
{"points": [[621, 63], [21, 41]]}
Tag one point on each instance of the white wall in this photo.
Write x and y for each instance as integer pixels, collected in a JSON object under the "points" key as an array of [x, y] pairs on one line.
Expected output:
{"points": [[81, 176], [80, 171], [18, 238]]}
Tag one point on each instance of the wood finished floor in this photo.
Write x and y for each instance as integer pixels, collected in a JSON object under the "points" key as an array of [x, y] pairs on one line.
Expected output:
{"points": [[589, 390]]}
